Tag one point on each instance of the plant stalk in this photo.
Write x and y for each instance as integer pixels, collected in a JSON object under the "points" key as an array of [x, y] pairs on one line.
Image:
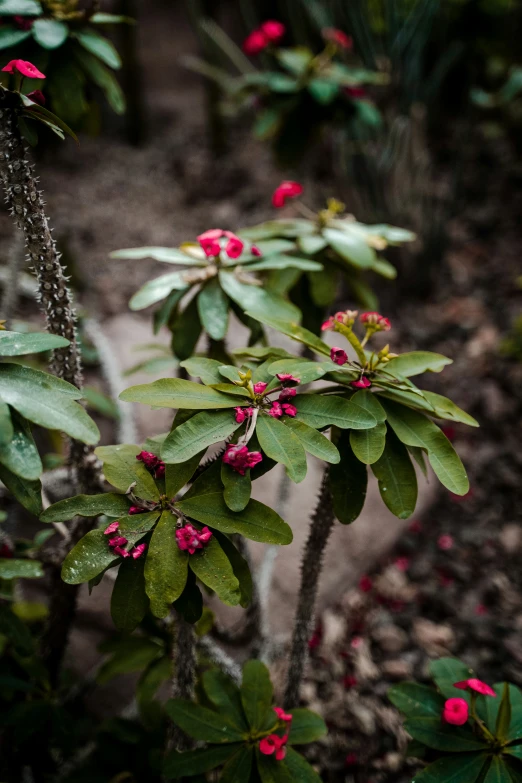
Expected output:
{"points": [[184, 661]]}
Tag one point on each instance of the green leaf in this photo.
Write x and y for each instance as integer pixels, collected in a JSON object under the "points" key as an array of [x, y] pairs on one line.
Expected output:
{"points": [[237, 488], [255, 299], [414, 429], [311, 243], [178, 393], [305, 371], [165, 566], [129, 602], [10, 36], [319, 411], [157, 289], [293, 330], [396, 477], [314, 442], [88, 558], [6, 424], [196, 434], [20, 344], [240, 567], [446, 671], [121, 469], [206, 369], [99, 46], [238, 767], [306, 727], [351, 247], [441, 736], [498, 772], [370, 402], [225, 695], [285, 262], [504, 715], [348, 483], [213, 568], [299, 769], [272, 771], [190, 603], [368, 445], [28, 493], [102, 18], [16, 631], [108, 503], [103, 78], [20, 455], [176, 476], [453, 769], [167, 255], [256, 693], [49, 33], [200, 723], [416, 363], [34, 395], [324, 91], [194, 762], [23, 7], [446, 409], [213, 309], [11, 568], [280, 444], [129, 654], [416, 700]]}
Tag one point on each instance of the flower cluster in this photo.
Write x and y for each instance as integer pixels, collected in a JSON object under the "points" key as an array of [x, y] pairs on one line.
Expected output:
{"points": [[346, 317], [456, 710], [282, 406], [376, 322], [117, 543], [154, 464], [243, 413], [189, 538], [270, 32], [287, 189], [215, 240], [240, 458], [274, 744]]}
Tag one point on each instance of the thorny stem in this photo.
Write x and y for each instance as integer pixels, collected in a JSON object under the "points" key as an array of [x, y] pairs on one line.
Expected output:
{"points": [[10, 292], [321, 526], [183, 681]]}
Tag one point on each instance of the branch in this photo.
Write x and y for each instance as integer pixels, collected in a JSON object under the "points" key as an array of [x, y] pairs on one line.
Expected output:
{"points": [[183, 653]]}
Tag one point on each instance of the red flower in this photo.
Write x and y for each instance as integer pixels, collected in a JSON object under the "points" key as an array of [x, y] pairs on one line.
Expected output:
{"points": [[282, 715], [355, 92], [240, 458], [349, 681], [445, 542], [338, 356], [287, 394], [255, 43], [137, 551], [209, 241], [136, 510], [273, 30], [234, 246], [242, 414], [25, 68], [255, 251], [112, 528], [118, 550], [149, 459], [37, 96], [365, 583], [287, 189], [260, 387], [289, 410], [376, 322], [455, 711], [274, 744], [362, 383], [118, 541], [337, 37], [276, 410], [286, 377], [189, 538], [475, 685], [22, 22]]}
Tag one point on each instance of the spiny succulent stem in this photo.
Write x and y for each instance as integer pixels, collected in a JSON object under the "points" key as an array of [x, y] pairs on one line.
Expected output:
{"points": [[184, 678]]}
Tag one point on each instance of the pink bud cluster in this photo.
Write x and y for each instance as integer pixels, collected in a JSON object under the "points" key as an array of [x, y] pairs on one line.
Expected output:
{"points": [[240, 458], [117, 543], [189, 538], [212, 242], [287, 189], [154, 464], [456, 710], [282, 406], [242, 414], [270, 32], [274, 744]]}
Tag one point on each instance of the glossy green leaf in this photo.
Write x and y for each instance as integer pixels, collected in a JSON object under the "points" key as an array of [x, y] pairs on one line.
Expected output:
{"points": [[314, 442], [157, 289], [200, 723], [193, 762], [34, 395], [213, 568], [88, 558], [121, 469], [305, 371], [16, 631], [306, 726], [50, 33], [368, 445], [282, 445], [128, 654], [213, 309], [285, 262], [441, 736], [28, 493], [446, 671], [286, 227], [272, 771], [225, 695], [299, 768], [165, 566], [413, 699], [293, 330], [186, 330], [167, 255], [504, 715], [104, 78], [12, 568], [414, 429], [255, 299], [319, 411], [498, 771], [348, 483], [239, 766], [20, 344], [416, 363], [206, 369], [196, 434], [311, 243], [453, 769], [237, 488], [256, 693], [351, 247], [323, 91], [396, 477], [99, 46], [190, 603], [6, 424], [178, 393], [230, 388], [11, 36], [239, 566], [108, 503], [176, 476], [370, 402], [20, 455], [129, 601], [446, 409], [102, 18]]}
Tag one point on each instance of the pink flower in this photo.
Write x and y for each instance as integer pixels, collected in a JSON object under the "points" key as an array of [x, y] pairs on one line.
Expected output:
{"points": [[346, 317], [286, 377], [136, 510], [22, 22], [148, 458], [475, 685], [338, 356], [118, 541], [273, 30], [37, 96], [445, 542], [240, 458], [287, 189], [356, 642], [209, 241], [365, 583], [455, 712], [260, 387], [355, 92], [338, 37], [204, 535], [362, 383], [111, 528], [25, 68], [289, 410], [255, 43], [287, 394], [255, 251], [121, 552], [274, 744], [376, 322], [234, 246], [402, 563], [242, 414], [189, 538], [276, 410], [160, 470], [137, 551], [282, 715]]}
